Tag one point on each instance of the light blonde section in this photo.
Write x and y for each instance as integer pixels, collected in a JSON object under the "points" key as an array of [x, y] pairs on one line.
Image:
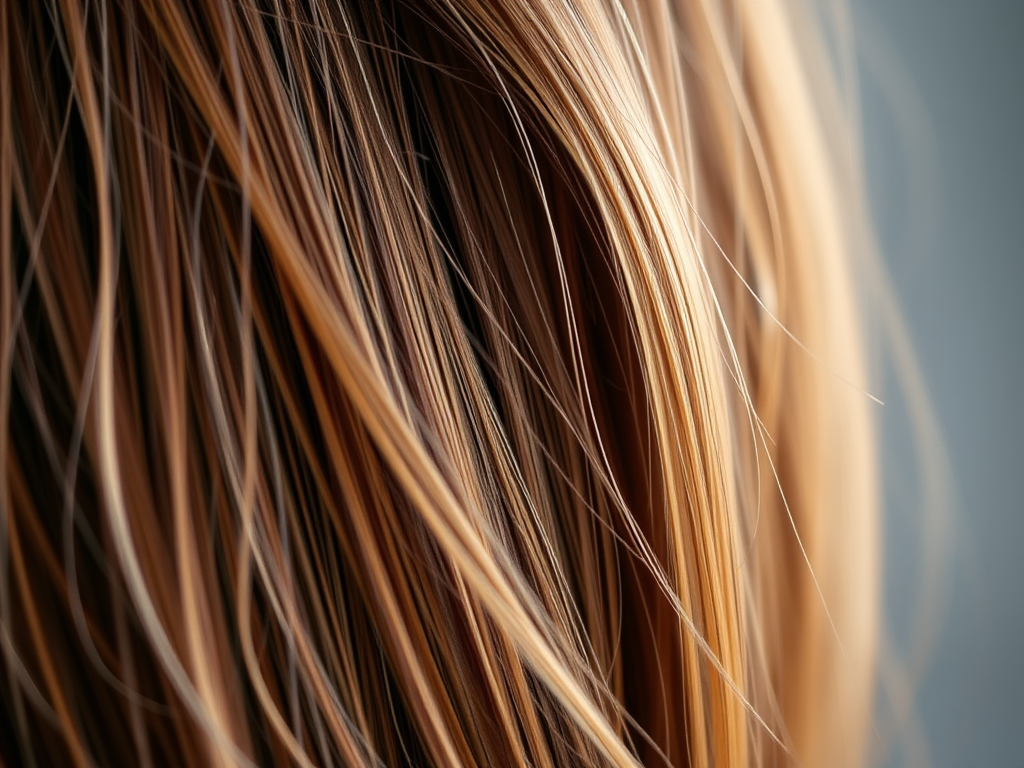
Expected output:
{"points": [[434, 383]]}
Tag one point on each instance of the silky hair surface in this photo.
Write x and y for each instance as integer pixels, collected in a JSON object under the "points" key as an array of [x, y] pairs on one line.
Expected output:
{"points": [[434, 382]]}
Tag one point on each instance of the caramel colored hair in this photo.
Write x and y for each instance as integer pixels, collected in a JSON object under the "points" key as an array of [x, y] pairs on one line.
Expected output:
{"points": [[428, 382]]}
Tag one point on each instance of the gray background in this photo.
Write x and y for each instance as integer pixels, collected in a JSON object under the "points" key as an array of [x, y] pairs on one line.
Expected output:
{"points": [[942, 96]]}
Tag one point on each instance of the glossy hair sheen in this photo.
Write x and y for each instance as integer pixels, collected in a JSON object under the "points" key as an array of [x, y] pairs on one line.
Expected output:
{"points": [[428, 382]]}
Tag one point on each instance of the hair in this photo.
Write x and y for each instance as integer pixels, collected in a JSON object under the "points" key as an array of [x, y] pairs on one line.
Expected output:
{"points": [[429, 382]]}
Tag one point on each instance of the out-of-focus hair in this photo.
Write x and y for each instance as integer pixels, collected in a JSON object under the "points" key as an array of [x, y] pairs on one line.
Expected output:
{"points": [[434, 382]]}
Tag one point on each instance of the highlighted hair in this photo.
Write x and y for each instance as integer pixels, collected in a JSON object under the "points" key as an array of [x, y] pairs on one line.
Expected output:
{"points": [[434, 382]]}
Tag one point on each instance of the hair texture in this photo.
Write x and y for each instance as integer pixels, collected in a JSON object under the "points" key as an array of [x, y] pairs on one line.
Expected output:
{"points": [[428, 382]]}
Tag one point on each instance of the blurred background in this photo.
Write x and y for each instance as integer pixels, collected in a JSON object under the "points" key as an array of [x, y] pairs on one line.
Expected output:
{"points": [[942, 99]]}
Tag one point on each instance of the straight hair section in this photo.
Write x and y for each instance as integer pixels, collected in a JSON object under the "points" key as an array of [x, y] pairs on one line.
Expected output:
{"points": [[428, 382]]}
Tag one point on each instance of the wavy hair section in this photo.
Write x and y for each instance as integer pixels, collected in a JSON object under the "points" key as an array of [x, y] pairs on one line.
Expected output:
{"points": [[441, 383]]}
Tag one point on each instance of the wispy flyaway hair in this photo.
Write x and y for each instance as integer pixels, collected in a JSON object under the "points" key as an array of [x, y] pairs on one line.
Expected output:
{"points": [[428, 382]]}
